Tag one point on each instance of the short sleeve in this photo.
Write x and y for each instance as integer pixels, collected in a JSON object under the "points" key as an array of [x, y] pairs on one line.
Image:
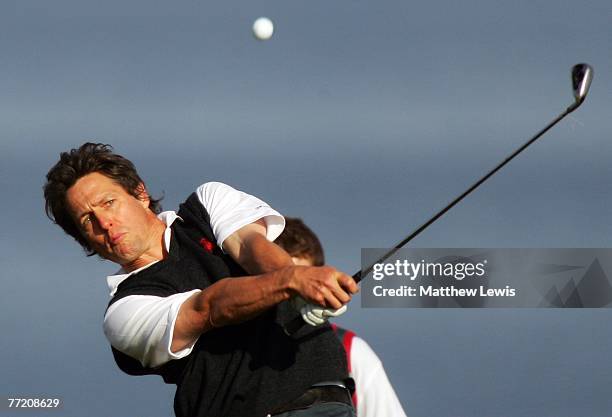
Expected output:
{"points": [[142, 326], [230, 210]]}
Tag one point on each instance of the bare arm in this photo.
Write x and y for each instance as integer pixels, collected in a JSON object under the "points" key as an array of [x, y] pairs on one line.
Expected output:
{"points": [[231, 301], [250, 247], [234, 300]]}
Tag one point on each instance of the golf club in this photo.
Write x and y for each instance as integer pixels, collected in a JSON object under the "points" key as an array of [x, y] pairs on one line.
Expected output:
{"points": [[582, 75]]}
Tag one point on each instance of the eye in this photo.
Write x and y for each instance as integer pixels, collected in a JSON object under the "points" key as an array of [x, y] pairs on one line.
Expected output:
{"points": [[110, 202], [86, 220]]}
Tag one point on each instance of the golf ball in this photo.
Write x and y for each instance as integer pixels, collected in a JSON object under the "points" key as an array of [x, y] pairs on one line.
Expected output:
{"points": [[263, 28]]}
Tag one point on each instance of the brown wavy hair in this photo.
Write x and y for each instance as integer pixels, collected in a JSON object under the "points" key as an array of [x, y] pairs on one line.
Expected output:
{"points": [[301, 242], [78, 162]]}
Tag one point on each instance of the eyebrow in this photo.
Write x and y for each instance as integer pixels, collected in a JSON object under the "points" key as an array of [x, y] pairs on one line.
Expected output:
{"points": [[96, 203]]}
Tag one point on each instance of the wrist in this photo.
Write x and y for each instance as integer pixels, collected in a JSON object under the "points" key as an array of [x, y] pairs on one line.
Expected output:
{"points": [[287, 283]]}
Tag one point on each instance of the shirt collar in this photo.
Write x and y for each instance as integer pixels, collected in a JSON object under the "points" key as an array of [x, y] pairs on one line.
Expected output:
{"points": [[167, 217]]}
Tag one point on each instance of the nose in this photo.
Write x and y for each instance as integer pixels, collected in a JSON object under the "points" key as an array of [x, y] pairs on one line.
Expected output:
{"points": [[104, 220]]}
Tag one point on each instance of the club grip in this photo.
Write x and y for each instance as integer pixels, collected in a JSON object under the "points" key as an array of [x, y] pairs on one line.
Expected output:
{"points": [[296, 323]]}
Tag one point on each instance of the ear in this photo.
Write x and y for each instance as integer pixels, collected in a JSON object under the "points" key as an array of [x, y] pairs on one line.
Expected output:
{"points": [[143, 195]]}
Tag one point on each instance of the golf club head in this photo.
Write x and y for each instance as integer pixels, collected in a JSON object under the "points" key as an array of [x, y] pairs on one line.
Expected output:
{"points": [[582, 75]]}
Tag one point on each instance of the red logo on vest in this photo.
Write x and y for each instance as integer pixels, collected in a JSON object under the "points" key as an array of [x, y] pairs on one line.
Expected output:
{"points": [[207, 245]]}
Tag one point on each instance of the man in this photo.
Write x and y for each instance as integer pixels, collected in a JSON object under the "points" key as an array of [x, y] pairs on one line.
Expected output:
{"points": [[374, 396], [183, 304]]}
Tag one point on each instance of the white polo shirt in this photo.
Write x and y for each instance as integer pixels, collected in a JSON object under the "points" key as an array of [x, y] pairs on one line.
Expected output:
{"points": [[142, 326], [375, 394]]}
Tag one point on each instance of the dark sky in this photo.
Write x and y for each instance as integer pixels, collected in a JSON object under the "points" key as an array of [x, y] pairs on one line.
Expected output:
{"points": [[364, 118]]}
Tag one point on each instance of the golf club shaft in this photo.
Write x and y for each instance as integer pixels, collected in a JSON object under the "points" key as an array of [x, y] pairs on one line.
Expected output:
{"points": [[362, 273], [295, 324]]}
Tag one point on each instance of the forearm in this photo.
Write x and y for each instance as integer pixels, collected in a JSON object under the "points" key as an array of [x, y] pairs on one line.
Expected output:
{"points": [[234, 300], [229, 301]]}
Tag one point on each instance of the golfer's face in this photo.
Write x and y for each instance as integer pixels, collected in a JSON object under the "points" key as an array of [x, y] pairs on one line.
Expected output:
{"points": [[116, 224]]}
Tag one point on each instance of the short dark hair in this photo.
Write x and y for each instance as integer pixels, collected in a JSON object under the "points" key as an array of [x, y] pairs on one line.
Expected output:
{"points": [[78, 162], [301, 242]]}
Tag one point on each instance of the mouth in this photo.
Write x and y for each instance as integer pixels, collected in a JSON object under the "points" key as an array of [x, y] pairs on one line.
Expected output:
{"points": [[115, 239]]}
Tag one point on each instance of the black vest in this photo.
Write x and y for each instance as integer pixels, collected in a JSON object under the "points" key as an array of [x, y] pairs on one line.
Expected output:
{"points": [[240, 370]]}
